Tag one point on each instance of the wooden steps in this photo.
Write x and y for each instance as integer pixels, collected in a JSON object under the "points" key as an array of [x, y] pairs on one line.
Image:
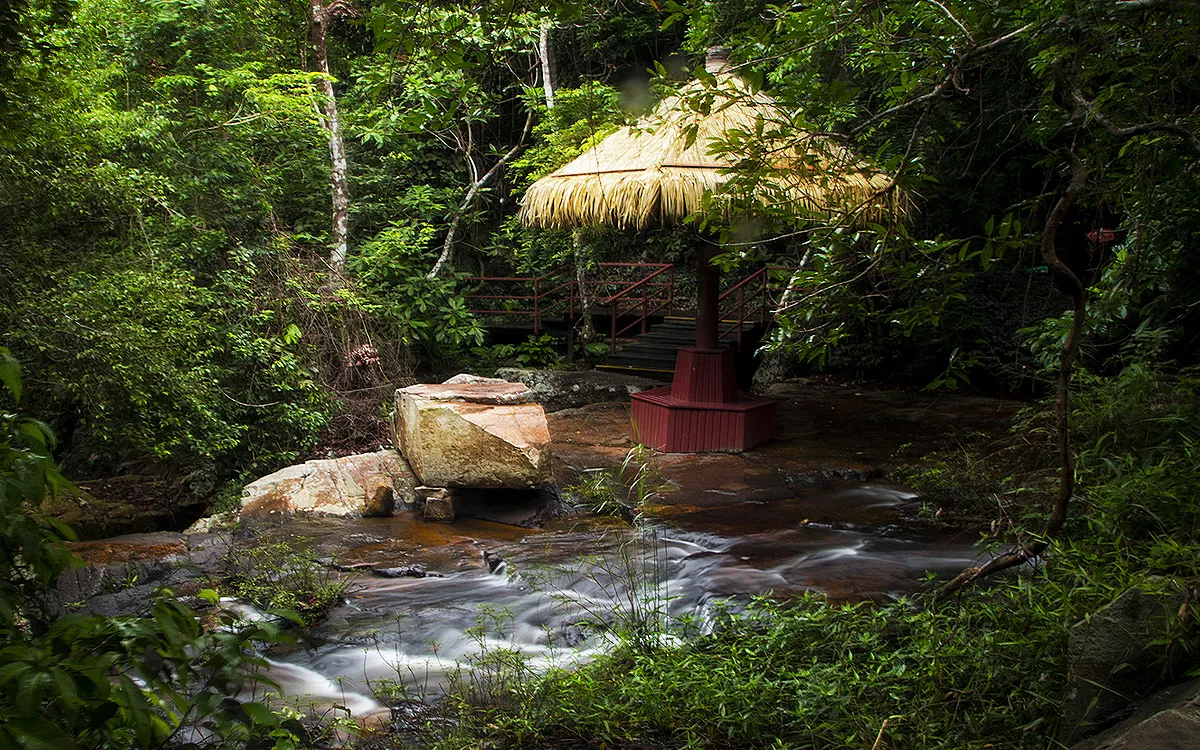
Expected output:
{"points": [[653, 353]]}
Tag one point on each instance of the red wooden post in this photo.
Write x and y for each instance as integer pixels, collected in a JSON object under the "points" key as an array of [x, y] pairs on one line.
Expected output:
{"points": [[536, 300], [706, 301], [702, 410]]}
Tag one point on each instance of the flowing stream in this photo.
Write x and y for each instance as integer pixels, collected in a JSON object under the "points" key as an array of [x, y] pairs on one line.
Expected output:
{"points": [[552, 594]]}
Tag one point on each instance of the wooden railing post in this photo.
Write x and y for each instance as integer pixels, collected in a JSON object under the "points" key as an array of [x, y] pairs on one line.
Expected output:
{"points": [[741, 316], [762, 307], [537, 299], [612, 337], [645, 304], [671, 292]]}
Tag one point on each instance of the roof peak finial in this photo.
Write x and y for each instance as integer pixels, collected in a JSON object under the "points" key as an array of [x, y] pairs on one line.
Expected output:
{"points": [[716, 60]]}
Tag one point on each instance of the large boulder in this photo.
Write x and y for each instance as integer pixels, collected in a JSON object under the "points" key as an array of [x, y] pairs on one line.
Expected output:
{"points": [[473, 432], [1115, 656], [367, 484], [1168, 720]]}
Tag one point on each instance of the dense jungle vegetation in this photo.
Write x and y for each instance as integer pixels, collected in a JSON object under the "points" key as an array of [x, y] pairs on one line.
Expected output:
{"points": [[197, 288]]}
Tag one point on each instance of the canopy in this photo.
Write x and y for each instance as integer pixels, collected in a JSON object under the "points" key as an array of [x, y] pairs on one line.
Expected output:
{"points": [[660, 170]]}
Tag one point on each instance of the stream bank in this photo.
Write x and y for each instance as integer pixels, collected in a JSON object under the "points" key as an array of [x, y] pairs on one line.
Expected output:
{"points": [[807, 511]]}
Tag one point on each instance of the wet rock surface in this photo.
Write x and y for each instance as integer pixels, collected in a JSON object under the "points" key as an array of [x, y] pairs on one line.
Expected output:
{"points": [[556, 390], [123, 574], [825, 433], [1114, 657]]}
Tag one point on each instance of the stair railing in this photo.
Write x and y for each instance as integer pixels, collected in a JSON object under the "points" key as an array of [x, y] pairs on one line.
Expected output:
{"points": [[754, 298], [642, 297]]}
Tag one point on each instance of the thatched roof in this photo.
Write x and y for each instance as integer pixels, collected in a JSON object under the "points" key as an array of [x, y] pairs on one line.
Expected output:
{"points": [[661, 169]]}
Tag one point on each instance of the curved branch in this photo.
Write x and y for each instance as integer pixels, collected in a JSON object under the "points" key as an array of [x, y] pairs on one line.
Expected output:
{"points": [[1081, 103], [1062, 411], [1138, 6]]}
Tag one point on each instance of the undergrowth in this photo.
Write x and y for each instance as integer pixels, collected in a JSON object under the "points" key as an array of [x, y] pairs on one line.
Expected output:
{"points": [[284, 575], [984, 669]]}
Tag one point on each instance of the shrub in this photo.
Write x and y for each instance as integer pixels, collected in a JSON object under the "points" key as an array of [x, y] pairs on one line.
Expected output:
{"points": [[284, 575], [120, 682]]}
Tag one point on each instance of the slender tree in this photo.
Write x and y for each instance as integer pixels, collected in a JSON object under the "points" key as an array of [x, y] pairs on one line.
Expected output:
{"points": [[546, 58], [339, 234]]}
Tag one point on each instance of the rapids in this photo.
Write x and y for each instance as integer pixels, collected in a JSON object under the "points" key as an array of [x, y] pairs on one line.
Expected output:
{"points": [[552, 594]]}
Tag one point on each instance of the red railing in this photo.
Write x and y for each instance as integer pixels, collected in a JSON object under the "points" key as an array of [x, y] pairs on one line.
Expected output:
{"points": [[535, 297], [753, 298], [633, 293], [626, 288], [644, 296]]}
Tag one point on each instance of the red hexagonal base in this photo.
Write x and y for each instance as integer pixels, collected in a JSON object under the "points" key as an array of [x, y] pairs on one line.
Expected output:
{"points": [[702, 410]]}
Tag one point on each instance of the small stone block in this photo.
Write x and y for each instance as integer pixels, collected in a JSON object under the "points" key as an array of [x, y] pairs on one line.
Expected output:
{"points": [[381, 501], [439, 504]]}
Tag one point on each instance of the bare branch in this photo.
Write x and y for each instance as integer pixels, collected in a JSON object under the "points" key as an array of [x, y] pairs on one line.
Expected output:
{"points": [[447, 256], [954, 20], [949, 83]]}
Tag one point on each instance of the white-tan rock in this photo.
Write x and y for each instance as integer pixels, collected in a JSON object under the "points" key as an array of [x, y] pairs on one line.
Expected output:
{"points": [[438, 504], [473, 434], [367, 484]]}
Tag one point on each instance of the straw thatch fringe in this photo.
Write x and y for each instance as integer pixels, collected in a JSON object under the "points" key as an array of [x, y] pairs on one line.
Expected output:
{"points": [[667, 166]]}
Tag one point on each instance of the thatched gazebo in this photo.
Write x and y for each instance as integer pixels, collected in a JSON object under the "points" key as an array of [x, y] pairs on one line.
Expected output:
{"points": [[667, 167]]}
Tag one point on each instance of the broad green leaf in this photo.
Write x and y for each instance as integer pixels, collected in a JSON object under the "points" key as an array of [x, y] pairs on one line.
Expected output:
{"points": [[39, 734], [10, 373]]}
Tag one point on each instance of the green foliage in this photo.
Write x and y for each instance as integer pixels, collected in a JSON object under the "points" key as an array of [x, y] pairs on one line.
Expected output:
{"points": [[145, 181], [1138, 434], [963, 105], [278, 575], [156, 365], [543, 350], [817, 675], [90, 682], [581, 118], [986, 670], [599, 492], [428, 313], [32, 557], [620, 493]]}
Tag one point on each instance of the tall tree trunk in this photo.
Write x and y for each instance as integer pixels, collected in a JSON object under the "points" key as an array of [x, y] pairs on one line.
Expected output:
{"points": [[546, 58], [583, 261], [338, 181]]}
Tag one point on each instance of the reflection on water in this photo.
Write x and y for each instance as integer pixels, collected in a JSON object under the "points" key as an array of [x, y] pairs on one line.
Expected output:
{"points": [[555, 592]]}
